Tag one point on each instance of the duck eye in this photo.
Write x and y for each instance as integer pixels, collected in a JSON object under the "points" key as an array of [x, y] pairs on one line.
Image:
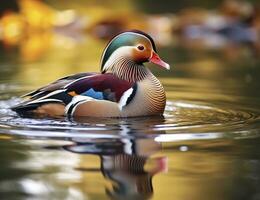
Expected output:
{"points": [[140, 47]]}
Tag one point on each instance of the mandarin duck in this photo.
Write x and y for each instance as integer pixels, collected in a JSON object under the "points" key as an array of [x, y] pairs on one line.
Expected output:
{"points": [[128, 163], [124, 88]]}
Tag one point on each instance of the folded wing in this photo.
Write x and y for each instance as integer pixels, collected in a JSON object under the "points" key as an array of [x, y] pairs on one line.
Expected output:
{"points": [[61, 92]]}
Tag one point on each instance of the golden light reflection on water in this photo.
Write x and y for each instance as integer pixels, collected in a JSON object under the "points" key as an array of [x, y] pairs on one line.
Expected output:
{"points": [[205, 90], [202, 176], [197, 172], [60, 60]]}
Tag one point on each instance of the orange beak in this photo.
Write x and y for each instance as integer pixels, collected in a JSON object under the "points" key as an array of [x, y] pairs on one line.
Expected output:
{"points": [[158, 61]]}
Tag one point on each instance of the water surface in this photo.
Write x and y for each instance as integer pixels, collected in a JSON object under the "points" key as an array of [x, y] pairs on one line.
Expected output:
{"points": [[206, 146]]}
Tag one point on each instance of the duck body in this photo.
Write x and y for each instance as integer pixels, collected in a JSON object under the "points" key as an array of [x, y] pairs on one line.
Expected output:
{"points": [[124, 88]]}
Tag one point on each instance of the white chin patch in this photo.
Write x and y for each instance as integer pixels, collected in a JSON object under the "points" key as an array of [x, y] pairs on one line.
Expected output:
{"points": [[124, 98]]}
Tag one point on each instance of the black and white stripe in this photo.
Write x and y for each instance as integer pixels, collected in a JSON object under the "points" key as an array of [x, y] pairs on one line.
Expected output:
{"points": [[156, 96], [127, 69], [127, 97]]}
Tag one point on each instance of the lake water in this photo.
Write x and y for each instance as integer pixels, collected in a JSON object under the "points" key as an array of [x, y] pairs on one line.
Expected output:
{"points": [[205, 147]]}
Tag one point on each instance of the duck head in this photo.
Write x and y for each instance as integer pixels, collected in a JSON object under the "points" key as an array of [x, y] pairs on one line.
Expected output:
{"points": [[129, 50]]}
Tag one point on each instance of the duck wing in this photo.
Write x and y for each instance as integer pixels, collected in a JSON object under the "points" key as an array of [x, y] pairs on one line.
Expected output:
{"points": [[56, 85], [96, 86], [101, 86]]}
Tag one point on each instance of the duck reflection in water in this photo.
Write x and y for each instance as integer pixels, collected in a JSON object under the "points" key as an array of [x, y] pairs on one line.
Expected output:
{"points": [[126, 162]]}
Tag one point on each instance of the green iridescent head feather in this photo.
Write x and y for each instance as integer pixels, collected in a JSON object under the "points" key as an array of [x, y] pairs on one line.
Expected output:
{"points": [[127, 38]]}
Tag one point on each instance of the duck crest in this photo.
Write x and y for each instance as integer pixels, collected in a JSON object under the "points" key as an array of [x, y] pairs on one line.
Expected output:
{"points": [[128, 38]]}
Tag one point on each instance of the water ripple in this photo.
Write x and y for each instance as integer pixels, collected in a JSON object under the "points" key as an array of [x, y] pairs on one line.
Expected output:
{"points": [[183, 120]]}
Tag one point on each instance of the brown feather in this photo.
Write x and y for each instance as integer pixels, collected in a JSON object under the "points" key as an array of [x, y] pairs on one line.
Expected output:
{"points": [[50, 110], [98, 108], [56, 85]]}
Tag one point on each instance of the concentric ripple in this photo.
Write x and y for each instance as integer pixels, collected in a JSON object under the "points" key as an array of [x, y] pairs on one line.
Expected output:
{"points": [[182, 120]]}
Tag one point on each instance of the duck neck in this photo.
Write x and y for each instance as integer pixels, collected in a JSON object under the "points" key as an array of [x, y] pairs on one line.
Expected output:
{"points": [[127, 69]]}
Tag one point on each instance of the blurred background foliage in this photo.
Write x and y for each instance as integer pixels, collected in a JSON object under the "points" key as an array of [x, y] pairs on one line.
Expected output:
{"points": [[36, 34]]}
